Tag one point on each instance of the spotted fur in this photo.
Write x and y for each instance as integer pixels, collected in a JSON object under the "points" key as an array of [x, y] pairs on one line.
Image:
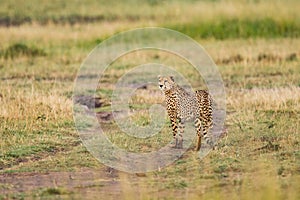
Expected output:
{"points": [[183, 106]]}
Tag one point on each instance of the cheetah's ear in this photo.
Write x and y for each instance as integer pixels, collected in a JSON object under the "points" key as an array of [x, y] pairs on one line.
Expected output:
{"points": [[172, 78], [159, 76]]}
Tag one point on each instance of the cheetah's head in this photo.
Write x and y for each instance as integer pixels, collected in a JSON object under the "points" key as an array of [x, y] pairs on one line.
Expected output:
{"points": [[166, 82]]}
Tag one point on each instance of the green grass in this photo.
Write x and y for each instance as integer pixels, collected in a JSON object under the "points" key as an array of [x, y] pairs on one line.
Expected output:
{"points": [[37, 133], [240, 28], [255, 46]]}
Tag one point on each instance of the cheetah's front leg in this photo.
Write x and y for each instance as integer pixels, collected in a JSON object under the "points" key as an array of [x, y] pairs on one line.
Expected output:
{"points": [[174, 130], [180, 134]]}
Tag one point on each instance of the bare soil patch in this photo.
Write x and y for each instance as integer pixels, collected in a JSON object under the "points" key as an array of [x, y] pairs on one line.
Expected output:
{"points": [[105, 180]]}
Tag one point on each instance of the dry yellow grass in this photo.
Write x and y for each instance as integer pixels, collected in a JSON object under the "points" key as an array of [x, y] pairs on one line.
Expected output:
{"points": [[251, 49], [29, 105], [55, 33], [282, 98]]}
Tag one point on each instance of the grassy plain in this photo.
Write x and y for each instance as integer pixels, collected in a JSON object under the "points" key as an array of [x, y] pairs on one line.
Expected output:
{"points": [[256, 47]]}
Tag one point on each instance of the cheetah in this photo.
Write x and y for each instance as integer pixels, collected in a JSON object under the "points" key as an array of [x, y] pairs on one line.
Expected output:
{"points": [[183, 106]]}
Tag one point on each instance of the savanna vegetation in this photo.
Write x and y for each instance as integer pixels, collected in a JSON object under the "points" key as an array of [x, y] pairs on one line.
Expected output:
{"points": [[255, 44]]}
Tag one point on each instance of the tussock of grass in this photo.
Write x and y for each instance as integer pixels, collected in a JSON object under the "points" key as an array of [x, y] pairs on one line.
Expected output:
{"points": [[20, 49], [53, 191]]}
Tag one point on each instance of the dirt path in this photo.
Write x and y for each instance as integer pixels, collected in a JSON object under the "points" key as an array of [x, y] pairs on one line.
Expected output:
{"points": [[104, 181]]}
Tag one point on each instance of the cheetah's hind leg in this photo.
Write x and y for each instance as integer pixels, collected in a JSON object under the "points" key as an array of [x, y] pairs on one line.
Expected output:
{"points": [[199, 133], [198, 143]]}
